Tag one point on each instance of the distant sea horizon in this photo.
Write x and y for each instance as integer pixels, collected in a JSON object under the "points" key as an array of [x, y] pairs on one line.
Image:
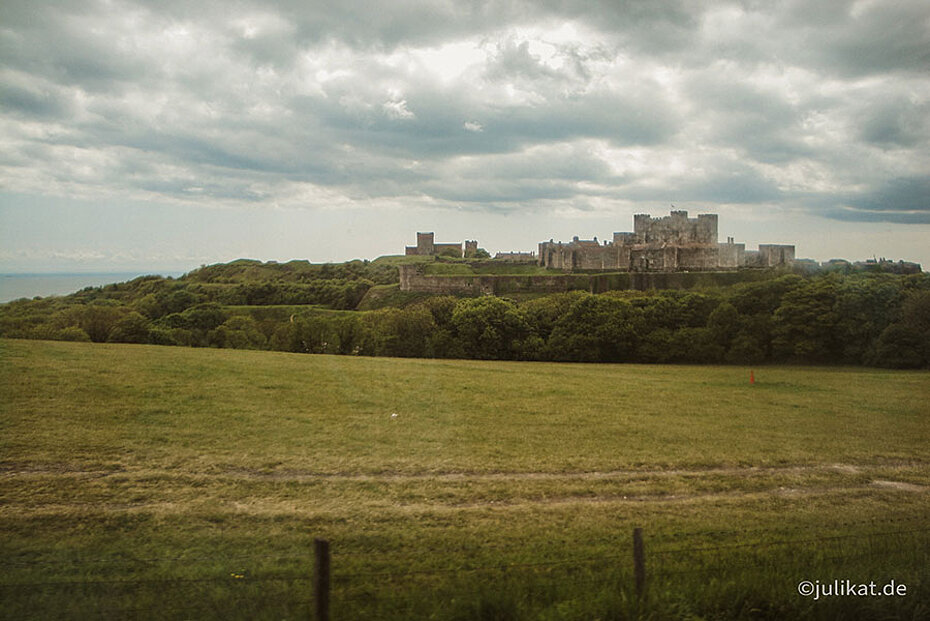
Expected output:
{"points": [[14, 286]]}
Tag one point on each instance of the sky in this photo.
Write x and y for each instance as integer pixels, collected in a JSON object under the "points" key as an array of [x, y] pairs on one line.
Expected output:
{"points": [[163, 135]]}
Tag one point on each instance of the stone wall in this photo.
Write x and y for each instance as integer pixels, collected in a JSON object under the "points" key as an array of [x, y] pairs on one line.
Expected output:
{"points": [[516, 257], [731, 254], [776, 254], [413, 279]]}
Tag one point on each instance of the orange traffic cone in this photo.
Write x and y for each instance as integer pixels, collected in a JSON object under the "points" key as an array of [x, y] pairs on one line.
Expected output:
{"points": [[752, 378]]}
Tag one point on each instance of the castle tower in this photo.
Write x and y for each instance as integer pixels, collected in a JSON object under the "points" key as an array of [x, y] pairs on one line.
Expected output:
{"points": [[707, 228], [425, 245]]}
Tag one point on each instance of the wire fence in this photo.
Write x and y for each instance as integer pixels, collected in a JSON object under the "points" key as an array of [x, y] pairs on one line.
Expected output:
{"points": [[291, 585]]}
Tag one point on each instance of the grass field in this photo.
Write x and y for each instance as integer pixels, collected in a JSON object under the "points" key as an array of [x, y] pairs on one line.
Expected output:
{"points": [[157, 482]]}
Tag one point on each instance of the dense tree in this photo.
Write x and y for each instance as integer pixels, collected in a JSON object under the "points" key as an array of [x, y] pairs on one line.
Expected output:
{"points": [[697, 308], [805, 323], [404, 333], [163, 335], [763, 297], [240, 332], [724, 324], [441, 308], [203, 317], [72, 333], [746, 348], [915, 311], [544, 313], [662, 311], [655, 346], [694, 345], [314, 335], [490, 328], [132, 328], [350, 334], [148, 305], [596, 329], [177, 301], [905, 344], [900, 347], [99, 319], [865, 306]]}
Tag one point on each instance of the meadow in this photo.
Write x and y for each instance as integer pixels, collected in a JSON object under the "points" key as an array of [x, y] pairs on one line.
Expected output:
{"points": [[139, 481]]}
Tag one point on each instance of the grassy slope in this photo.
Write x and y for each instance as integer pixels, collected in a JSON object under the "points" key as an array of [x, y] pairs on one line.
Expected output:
{"points": [[389, 296], [332, 414], [134, 452]]}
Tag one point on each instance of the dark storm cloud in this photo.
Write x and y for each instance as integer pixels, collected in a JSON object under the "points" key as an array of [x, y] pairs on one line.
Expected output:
{"points": [[496, 104]]}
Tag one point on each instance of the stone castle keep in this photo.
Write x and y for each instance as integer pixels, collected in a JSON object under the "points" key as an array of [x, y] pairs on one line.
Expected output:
{"points": [[671, 243], [668, 244]]}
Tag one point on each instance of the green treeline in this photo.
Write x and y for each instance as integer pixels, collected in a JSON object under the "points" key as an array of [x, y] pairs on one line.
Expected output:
{"points": [[860, 318]]}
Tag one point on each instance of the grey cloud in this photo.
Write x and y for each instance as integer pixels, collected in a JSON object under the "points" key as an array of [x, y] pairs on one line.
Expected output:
{"points": [[901, 200], [489, 193], [792, 14], [735, 187], [663, 27], [574, 162], [238, 109], [856, 215], [848, 38], [895, 122], [653, 27], [57, 41], [886, 36], [718, 180], [515, 61], [623, 120], [31, 102], [763, 124], [902, 194], [549, 172]]}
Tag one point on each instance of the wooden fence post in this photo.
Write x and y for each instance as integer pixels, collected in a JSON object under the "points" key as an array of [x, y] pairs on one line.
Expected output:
{"points": [[639, 562], [321, 579]]}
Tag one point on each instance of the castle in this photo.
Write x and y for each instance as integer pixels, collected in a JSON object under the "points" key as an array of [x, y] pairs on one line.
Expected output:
{"points": [[427, 246], [667, 244]]}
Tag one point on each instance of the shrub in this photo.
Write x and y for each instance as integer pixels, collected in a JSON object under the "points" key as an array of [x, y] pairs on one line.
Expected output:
{"points": [[73, 333], [133, 328]]}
